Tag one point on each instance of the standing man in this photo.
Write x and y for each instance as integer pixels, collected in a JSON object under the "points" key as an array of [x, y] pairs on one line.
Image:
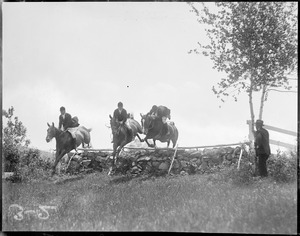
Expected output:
{"points": [[262, 147], [120, 115]]}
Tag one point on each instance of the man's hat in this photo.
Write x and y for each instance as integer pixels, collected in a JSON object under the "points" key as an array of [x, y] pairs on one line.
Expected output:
{"points": [[259, 122]]}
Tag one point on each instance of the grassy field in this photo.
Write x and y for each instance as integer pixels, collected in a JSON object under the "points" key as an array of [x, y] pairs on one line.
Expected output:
{"points": [[191, 203]]}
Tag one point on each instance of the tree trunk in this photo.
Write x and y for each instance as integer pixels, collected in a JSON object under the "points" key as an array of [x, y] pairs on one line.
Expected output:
{"points": [[252, 125], [251, 105], [262, 100]]}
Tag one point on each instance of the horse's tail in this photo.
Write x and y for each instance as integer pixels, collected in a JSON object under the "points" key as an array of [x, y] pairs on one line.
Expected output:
{"points": [[136, 125], [175, 133]]}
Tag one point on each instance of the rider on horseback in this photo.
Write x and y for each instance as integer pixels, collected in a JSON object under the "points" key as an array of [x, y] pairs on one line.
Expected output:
{"points": [[66, 121], [163, 113], [120, 115]]}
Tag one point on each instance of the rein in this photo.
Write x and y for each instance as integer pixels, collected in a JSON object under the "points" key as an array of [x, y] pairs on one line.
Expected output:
{"points": [[57, 132]]}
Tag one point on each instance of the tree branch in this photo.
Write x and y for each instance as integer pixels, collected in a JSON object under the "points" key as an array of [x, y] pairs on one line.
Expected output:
{"points": [[287, 91]]}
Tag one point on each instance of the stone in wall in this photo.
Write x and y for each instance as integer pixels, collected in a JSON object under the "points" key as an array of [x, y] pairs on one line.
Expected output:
{"points": [[158, 161]]}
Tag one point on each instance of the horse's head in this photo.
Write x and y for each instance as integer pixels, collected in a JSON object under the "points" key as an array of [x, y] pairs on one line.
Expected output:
{"points": [[114, 125], [51, 131], [147, 123]]}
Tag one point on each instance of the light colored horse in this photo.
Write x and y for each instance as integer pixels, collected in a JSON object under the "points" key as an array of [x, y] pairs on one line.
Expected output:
{"points": [[65, 142]]}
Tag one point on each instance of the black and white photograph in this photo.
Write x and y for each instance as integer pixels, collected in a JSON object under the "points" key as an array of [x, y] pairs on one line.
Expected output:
{"points": [[150, 116]]}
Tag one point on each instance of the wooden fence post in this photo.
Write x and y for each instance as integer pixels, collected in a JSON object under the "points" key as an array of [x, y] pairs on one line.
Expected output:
{"points": [[173, 158]]}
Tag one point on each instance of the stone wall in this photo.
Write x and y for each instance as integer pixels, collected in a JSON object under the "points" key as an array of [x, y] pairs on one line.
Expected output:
{"points": [[157, 161]]}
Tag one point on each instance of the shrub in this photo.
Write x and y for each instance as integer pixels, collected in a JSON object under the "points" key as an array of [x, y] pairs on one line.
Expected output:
{"points": [[242, 176], [31, 166], [11, 157], [14, 139], [282, 167]]}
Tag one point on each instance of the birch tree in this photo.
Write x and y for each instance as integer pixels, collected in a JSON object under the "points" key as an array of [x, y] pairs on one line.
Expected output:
{"points": [[254, 43]]}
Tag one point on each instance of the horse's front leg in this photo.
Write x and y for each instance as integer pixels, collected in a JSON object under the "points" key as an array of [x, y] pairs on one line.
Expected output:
{"points": [[149, 144], [119, 149], [154, 144], [122, 145], [113, 162], [168, 143], [114, 154], [141, 140], [59, 155]]}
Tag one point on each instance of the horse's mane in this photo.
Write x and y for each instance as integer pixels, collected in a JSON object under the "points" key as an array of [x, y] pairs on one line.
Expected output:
{"points": [[58, 130]]}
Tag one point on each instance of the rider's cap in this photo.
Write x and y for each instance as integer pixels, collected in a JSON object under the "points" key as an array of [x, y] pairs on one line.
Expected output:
{"points": [[260, 122]]}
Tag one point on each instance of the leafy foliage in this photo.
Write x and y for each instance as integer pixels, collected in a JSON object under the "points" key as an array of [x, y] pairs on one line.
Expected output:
{"points": [[283, 167], [254, 41], [31, 166], [14, 139]]}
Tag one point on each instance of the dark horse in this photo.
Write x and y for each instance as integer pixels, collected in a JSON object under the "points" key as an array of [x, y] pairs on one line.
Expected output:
{"points": [[152, 127], [64, 141], [120, 132]]}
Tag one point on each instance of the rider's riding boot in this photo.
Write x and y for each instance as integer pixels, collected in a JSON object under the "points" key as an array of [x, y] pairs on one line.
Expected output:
{"points": [[130, 133], [165, 130], [168, 131], [74, 142]]}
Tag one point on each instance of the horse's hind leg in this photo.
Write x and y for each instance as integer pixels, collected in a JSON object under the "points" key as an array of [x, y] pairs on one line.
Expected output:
{"points": [[154, 143], [87, 140], [57, 159], [174, 141], [70, 161]]}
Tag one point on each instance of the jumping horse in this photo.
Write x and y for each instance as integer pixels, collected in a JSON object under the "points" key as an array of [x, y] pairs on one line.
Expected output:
{"points": [[64, 141], [121, 136], [152, 127]]}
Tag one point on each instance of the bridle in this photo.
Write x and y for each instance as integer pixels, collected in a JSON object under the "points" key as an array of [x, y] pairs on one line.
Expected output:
{"points": [[116, 127]]}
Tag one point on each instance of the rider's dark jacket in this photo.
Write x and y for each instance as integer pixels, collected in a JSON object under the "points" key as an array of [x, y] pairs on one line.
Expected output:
{"points": [[120, 116], [161, 111], [65, 122]]}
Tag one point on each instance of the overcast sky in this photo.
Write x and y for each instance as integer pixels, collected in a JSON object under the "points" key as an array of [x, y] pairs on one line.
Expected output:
{"points": [[89, 56]]}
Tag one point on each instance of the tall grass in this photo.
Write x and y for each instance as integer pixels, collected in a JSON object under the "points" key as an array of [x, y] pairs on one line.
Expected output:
{"points": [[192, 203]]}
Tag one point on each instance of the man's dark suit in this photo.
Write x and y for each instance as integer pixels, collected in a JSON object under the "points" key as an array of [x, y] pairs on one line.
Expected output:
{"points": [[120, 116], [262, 149], [123, 117], [66, 123]]}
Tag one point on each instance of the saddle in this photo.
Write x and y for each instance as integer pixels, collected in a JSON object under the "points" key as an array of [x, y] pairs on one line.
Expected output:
{"points": [[73, 131]]}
